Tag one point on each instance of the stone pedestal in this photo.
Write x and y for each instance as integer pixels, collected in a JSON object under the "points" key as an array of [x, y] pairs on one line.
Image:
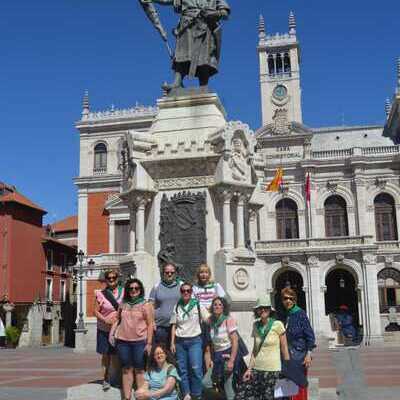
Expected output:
{"points": [[31, 335], [235, 269], [93, 391], [81, 341]]}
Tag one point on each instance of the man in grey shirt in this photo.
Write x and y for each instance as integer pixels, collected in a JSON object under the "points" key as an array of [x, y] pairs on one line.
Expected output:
{"points": [[164, 296]]}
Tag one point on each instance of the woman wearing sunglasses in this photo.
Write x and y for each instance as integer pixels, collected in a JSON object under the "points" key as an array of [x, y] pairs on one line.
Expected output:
{"points": [[265, 362], [227, 364], [186, 342], [133, 335], [300, 335], [106, 311]]}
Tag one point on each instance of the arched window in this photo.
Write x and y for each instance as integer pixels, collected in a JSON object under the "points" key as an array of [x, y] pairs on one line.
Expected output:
{"points": [[287, 222], [389, 289], [100, 158], [279, 64], [385, 217], [336, 217], [271, 65], [286, 63]]}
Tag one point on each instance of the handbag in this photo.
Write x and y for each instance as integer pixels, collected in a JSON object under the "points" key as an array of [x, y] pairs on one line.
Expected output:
{"points": [[294, 370], [243, 351]]}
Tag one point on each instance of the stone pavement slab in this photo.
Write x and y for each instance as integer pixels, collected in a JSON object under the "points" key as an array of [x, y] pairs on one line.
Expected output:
{"points": [[47, 373]]}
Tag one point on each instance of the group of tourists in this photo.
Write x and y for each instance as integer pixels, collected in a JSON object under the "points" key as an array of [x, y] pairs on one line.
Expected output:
{"points": [[182, 341]]}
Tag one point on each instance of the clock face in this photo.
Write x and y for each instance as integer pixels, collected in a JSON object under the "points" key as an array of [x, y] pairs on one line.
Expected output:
{"points": [[280, 92]]}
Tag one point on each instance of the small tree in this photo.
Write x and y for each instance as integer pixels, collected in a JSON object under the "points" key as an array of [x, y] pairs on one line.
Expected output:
{"points": [[12, 335]]}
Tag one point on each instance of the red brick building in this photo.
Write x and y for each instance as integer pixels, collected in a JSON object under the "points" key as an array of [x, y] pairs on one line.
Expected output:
{"points": [[35, 270]]}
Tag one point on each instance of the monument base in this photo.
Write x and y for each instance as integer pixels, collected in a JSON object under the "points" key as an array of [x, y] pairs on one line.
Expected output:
{"points": [[93, 391], [80, 341]]}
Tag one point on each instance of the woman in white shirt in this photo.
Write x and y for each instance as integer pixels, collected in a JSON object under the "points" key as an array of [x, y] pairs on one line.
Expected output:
{"points": [[206, 290], [186, 342]]}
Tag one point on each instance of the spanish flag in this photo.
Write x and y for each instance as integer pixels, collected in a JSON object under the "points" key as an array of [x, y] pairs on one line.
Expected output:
{"points": [[276, 182]]}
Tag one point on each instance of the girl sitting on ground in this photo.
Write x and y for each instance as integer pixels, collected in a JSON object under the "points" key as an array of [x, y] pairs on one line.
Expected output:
{"points": [[161, 377]]}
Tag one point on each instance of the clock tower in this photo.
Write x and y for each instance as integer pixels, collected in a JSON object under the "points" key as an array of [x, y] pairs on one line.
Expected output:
{"points": [[279, 56]]}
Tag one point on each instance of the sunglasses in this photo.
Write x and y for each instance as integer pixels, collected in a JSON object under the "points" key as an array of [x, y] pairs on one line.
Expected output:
{"points": [[132, 288], [112, 278], [186, 291], [288, 298], [169, 273]]}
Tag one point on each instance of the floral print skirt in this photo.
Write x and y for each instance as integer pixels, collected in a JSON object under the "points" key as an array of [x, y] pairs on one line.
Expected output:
{"points": [[260, 387]]}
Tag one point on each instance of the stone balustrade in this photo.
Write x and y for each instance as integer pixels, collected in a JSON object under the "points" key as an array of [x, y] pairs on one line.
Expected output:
{"points": [[338, 153], [100, 171], [115, 113], [299, 244], [367, 151], [345, 153], [388, 245], [107, 259]]}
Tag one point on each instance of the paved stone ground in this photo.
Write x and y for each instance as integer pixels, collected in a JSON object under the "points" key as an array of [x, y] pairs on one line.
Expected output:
{"points": [[45, 374]]}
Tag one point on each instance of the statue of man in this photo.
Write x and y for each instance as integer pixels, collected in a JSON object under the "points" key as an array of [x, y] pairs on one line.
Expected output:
{"points": [[198, 38], [237, 162]]}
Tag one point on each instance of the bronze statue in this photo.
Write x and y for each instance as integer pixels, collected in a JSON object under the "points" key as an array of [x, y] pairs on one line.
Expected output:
{"points": [[198, 37]]}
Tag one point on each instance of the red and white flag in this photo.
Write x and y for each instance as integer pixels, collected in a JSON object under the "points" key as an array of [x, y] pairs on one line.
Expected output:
{"points": [[308, 189]]}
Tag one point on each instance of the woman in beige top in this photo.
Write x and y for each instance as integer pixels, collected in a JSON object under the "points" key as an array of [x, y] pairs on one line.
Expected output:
{"points": [[269, 343]]}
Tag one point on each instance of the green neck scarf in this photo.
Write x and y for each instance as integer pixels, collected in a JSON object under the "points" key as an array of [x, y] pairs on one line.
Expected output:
{"points": [[263, 330], [170, 284], [137, 300], [295, 309], [111, 290], [207, 285], [216, 323], [186, 308]]}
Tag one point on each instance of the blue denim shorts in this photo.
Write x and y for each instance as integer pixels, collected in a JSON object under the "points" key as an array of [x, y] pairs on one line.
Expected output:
{"points": [[131, 354], [103, 346]]}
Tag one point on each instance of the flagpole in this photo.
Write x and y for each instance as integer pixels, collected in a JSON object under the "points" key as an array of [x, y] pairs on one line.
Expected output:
{"points": [[308, 202]]}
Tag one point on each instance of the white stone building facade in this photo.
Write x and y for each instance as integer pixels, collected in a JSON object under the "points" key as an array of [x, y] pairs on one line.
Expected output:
{"points": [[340, 247]]}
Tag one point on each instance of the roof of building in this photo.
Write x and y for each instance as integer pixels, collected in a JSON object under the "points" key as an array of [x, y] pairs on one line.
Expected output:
{"points": [[9, 194], [66, 224], [344, 137], [49, 239]]}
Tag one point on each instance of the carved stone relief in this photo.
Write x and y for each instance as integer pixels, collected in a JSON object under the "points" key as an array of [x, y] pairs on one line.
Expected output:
{"points": [[241, 279], [238, 159], [281, 125], [183, 232]]}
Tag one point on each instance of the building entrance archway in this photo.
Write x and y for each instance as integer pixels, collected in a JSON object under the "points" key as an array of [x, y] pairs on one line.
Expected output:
{"points": [[294, 280], [341, 290]]}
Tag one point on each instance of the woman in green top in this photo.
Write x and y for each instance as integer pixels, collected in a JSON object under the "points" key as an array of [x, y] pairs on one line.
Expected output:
{"points": [[269, 343]]}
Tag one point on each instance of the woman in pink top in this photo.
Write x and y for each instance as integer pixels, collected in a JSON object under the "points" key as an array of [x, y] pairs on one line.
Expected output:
{"points": [[106, 311], [133, 333]]}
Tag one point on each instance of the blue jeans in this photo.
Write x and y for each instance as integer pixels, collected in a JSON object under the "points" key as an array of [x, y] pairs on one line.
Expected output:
{"points": [[163, 335], [189, 355], [220, 377]]}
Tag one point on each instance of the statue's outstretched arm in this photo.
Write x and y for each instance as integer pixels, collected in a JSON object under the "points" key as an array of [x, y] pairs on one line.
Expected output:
{"points": [[163, 2], [152, 14]]}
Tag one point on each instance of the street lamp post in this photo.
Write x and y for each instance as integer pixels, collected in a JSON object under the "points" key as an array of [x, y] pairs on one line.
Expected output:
{"points": [[81, 322], [80, 331]]}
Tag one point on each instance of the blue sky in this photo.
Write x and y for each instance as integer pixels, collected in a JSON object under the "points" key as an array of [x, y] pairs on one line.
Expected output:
{"points": [[51, 50]]}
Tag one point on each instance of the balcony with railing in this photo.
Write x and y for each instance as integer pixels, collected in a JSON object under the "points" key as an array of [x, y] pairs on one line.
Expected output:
{"points": [[99, 171], [294, 245], [389, 245], [377, 151]]}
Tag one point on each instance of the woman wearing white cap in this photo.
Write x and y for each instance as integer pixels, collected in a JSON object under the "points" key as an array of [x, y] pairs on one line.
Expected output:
{"points": [[269, 343]]}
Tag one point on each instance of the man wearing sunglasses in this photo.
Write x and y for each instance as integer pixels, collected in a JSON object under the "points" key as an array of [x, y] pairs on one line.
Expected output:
{"points": [[164, 297]]}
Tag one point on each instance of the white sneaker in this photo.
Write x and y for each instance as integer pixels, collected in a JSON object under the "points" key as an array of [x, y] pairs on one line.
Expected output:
{"points": [[106, 386], [187, 397]]}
